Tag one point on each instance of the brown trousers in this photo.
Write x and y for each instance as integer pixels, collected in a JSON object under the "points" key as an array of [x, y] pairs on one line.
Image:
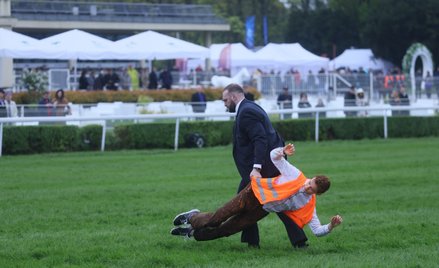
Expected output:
{"points": [[234, 216]]}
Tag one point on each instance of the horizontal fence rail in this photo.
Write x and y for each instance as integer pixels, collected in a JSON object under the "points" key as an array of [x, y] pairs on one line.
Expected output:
{"points": [[103, 119]]}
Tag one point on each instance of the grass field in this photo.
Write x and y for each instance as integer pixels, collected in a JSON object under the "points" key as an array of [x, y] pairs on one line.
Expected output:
{"points": [[115, 209]]}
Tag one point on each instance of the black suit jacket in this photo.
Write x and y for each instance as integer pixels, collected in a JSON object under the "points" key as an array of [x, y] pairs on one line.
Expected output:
{"points": [[253, 139], [198, 103]]}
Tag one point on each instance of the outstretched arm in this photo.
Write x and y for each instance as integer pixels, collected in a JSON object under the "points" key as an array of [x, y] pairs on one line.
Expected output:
{"points": [[322, 230], [335, 221], [278, 158]]}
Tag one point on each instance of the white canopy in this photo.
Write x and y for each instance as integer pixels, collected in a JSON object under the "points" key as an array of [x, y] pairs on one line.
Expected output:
{"points": [[16, 45], [153, 45], [77, 44], [293, 55], [356, 58], [240, 57], [239, 54]]}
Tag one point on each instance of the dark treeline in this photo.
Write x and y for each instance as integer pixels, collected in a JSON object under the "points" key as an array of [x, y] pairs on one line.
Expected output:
{"points": [[388, 27]]}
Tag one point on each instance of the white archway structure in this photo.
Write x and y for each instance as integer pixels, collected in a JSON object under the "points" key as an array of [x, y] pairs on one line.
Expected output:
{"points": [[408, 63]]}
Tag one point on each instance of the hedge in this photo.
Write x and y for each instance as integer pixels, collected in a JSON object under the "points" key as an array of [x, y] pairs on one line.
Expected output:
{"points": [[57, 138], [87, 97], [50, 138]]}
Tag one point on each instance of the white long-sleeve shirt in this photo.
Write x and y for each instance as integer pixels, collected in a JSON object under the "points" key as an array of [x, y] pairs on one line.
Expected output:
{"points": [[296, 201]]}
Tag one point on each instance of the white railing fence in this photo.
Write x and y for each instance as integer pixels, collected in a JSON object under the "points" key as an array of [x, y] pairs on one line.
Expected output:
{"points": [[386, 112]]}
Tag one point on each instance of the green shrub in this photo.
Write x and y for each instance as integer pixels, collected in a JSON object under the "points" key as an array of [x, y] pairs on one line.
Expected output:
{"points": [[62, 138], [162, 135], [40, 139], [90, 137]]}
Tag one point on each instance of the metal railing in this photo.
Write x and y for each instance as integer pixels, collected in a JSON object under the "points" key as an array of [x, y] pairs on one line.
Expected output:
{"points": [[386, 111]]}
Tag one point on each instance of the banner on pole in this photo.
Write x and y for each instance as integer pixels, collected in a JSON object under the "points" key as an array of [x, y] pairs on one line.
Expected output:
{"points": [[265, 28], [250, 32], [225, 58]]}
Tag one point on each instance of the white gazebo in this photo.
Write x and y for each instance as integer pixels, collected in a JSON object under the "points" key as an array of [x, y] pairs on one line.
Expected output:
{"points": [[292, 55], [240, 57], [152, 45], [77, 44], [356, 58]]}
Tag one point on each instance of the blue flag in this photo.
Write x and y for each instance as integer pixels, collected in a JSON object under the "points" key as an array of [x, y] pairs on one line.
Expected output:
{"points": [[250, 31], [265, 28]]}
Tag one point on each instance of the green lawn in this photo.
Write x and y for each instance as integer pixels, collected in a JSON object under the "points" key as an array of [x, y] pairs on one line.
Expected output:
{"points": [[115, 209]]}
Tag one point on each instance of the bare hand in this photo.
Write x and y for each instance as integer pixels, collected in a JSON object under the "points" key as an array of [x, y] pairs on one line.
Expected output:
{"points": [[289, 149], [335, 221]]}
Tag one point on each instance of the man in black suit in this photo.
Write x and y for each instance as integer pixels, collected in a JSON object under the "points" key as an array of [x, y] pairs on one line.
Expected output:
{"points": [[253, 139]]}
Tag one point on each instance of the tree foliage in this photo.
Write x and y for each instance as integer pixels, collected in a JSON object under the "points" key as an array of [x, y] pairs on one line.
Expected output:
{"points": [[388, 27]]}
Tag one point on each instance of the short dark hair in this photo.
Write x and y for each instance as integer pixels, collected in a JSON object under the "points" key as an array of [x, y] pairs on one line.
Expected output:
{"points": [[235, 88], [322, 183]]}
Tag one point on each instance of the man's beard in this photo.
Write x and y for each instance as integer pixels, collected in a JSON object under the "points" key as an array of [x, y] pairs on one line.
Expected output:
{"points": [[232, 108]]}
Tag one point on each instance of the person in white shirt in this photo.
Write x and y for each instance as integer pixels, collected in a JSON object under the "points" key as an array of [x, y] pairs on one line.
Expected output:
{"points": [[291, 192], [11, 106]]}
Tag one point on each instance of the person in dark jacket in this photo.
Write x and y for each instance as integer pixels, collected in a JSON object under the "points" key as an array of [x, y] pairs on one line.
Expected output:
{"points": [[253, 139], [153, 80]]}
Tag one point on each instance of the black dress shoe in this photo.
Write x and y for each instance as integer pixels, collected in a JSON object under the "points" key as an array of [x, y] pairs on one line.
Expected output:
{"points": [[254, 246], [302, 245]]}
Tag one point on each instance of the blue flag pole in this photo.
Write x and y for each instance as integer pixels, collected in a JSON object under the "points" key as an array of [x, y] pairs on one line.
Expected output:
{"points": [[250, 31]]}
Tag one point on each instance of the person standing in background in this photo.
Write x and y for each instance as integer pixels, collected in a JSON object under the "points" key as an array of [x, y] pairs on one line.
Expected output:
{"points": [[304, 103], [2, 103], [134, 77], [10, 105], [61, 104], [198, 101], [83, 81], [166, 79], [285, 101], [45, 105], [153, 81]]}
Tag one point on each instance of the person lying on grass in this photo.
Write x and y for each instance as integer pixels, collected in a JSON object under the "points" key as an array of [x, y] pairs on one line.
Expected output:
{"points": [[291, 193]]}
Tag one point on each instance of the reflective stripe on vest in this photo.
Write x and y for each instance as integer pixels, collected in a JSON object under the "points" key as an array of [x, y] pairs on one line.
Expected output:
{"points": [[268, 190]]}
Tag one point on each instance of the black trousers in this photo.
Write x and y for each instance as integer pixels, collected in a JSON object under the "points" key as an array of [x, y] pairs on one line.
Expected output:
{"points": [[250, 234]]}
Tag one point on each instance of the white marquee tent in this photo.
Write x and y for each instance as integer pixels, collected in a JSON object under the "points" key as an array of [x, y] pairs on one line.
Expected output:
{"points": [[16, 45], [356, 58], [240, 57], [292, 55], [152, 45], [77, 44]]}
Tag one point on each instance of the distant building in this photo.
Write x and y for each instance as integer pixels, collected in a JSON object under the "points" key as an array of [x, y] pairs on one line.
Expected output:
{"points": [[112, 20]]}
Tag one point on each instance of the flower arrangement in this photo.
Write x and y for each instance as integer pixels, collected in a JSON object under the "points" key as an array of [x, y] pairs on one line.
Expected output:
{"points": [[35, 81]]}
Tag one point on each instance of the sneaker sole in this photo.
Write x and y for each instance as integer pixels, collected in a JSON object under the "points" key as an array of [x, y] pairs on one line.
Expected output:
{"points": [[178, 222]]}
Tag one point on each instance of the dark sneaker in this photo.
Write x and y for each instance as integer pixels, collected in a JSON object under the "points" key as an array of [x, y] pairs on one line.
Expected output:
{"points": [[183, 218], [182, 231]]}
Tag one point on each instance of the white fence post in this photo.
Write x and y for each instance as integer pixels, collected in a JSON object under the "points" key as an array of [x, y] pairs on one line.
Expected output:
{"points": [[104, 130], [177, 130], [317, 127], [385, 123]]}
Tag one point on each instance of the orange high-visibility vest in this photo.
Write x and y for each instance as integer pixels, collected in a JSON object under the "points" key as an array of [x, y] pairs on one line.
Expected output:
{"points": [[304, 214], [269, 190]]}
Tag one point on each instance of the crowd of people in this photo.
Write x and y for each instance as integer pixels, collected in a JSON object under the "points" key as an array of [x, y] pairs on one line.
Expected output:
{"points": [[56, 106], [128, 78]]}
